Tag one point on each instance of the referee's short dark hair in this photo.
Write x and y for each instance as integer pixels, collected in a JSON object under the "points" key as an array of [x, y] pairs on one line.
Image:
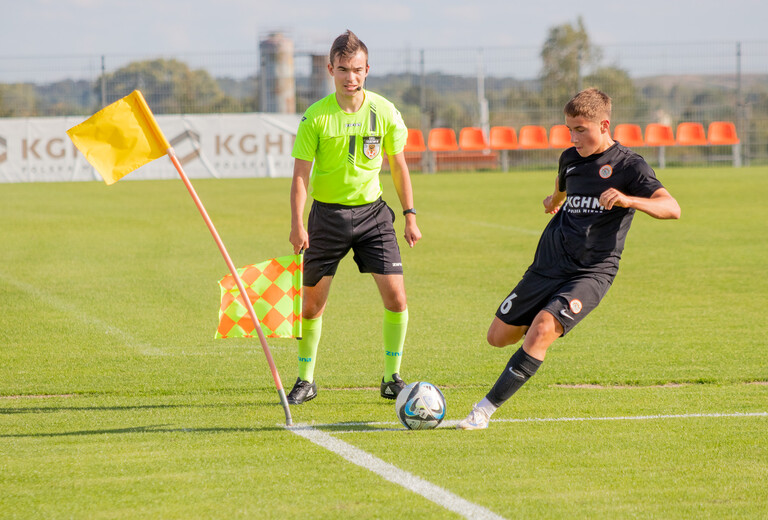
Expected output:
{"points": [[347, 45]]}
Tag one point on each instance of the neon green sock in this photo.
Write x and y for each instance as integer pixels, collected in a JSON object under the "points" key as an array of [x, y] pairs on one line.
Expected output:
{"points": [[311, 329], [395, 326]]}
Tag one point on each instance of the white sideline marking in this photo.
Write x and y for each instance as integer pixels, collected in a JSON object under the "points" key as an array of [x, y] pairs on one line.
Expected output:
{"points": [[637, 417], [452, 423], [64, 306], [436, 494]]}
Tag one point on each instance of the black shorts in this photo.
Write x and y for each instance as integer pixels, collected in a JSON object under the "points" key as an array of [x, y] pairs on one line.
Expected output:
{"points": [[334, 229], [569, 299]]}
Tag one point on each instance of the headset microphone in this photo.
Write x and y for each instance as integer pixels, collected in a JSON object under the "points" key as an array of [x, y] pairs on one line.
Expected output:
{"points": [[359, 89]]}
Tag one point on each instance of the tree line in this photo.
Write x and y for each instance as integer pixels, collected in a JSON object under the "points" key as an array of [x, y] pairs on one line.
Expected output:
{"points": [[570, 61]]}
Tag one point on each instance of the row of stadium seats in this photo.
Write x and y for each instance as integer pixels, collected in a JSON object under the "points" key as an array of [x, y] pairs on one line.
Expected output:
{"points": [[534, 137]]}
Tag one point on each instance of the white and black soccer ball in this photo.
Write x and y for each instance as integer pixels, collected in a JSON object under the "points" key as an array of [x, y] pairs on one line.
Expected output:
{"points": [[420, 406]]}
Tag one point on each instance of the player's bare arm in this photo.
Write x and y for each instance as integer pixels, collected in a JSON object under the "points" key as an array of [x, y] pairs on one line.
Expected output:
{"points": [[660, 205], [299, 237], [553, 202], [402, 180]]}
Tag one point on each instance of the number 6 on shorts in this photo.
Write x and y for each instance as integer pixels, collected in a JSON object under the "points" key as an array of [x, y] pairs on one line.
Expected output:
{"points": [[506, 305]]}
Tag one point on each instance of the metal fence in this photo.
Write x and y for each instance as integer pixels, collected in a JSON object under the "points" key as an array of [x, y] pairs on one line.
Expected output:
{"points": [[455, 88]]}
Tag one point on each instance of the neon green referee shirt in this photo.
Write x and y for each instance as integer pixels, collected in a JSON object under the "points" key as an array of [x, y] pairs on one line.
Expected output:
{"points": [[347, 148]]}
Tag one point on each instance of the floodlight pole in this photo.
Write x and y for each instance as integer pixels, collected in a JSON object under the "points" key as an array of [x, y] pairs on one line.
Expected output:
{"points": [[243, 296]]}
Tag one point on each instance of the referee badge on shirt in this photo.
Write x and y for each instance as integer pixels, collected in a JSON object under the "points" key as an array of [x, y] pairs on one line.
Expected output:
{"points": [[372, 146]]}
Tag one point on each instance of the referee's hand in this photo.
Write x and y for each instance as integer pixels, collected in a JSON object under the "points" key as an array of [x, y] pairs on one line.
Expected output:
{"points": [[299, 238], [412, 232]]}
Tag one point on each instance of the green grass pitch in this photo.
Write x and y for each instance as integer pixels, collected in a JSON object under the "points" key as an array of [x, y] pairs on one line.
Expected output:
{"points": [[116, 401]]}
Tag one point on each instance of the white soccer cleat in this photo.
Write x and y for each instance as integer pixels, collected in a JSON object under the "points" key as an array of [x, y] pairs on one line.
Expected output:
{"points": [[476, 420]]}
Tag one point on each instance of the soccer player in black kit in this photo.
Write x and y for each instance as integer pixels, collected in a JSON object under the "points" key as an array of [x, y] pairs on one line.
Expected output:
{"points": [[600, 184]]}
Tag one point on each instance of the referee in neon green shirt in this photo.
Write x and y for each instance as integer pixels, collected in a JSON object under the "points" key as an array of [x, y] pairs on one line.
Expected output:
{"points": [[345, 135]]}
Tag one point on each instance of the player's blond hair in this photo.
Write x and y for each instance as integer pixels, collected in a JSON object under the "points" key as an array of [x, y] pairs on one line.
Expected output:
{"points": [[347, 45], [591, 104]]}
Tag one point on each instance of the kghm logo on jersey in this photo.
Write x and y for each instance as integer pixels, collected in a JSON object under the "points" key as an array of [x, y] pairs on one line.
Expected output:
{"points": [[605, 171], [372, 146], [582, 205]]}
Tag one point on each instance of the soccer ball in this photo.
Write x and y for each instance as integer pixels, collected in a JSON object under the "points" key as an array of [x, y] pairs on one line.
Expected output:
{"points": [[420, 406]]}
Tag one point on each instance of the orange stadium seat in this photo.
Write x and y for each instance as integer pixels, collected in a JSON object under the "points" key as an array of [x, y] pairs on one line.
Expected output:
{"points": [[415, 142], [691, 134], [630, 135], [503, 138], [442, 140], [533, 137], [722, 132], [560, 137], [472, 138], [657, 134]]}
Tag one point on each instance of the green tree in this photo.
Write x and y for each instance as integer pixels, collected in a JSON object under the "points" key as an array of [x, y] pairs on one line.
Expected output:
{"points": [[528, 108], [453, 111], [18, 100], [169, 86], [565, 54], [624, 95]]}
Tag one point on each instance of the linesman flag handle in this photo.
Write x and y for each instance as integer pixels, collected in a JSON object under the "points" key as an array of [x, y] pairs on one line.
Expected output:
{"points": [[124, 136]]}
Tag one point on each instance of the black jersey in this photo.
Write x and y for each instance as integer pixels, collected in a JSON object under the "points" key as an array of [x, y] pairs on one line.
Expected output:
{"points": [[584, 237]]}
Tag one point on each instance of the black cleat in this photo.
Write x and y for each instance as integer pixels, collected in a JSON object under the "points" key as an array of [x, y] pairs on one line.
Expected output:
{"points": [[391, 389], [302, 391]]}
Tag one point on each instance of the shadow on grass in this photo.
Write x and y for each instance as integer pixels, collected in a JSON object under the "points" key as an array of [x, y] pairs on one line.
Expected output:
{"points": [[352, 427], [56, 409], [348, 427], [154, 428]]}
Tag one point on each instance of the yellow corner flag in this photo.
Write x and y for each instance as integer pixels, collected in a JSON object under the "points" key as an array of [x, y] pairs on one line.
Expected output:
{"points": [[124, 136], [120, 138]]}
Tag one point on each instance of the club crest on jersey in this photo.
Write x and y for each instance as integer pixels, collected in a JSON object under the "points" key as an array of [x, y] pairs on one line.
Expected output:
{"points": [[575, 306], [605, 171], [372, 146]]}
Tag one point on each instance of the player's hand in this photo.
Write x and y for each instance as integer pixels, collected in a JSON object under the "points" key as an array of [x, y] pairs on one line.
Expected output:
{"points": [[549, 206], [613, 197], [412, 232], [299, 238]]}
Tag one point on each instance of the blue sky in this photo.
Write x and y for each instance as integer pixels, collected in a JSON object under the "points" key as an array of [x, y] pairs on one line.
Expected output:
{"points": [[75, 27]]}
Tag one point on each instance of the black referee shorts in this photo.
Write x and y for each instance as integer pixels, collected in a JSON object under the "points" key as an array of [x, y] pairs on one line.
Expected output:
{"points": [[568, 299], [334, 229]]}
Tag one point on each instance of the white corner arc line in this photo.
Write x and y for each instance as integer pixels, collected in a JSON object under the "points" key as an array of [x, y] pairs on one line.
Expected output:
{"points": [[418, 485], [65, 307]]}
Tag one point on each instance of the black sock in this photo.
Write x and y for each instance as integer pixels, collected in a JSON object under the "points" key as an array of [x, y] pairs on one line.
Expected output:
{"points": [[520, 369]]}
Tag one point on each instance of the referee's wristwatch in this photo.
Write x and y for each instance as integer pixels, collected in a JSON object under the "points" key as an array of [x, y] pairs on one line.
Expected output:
{"points": [[409, 211]]}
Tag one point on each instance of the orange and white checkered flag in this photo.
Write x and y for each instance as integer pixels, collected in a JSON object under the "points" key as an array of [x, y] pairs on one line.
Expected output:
{"points": [[274, 289]]}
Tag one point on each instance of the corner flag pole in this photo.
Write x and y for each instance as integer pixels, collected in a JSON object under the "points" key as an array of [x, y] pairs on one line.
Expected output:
{"points": [[243, 295], [123, 136]]}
